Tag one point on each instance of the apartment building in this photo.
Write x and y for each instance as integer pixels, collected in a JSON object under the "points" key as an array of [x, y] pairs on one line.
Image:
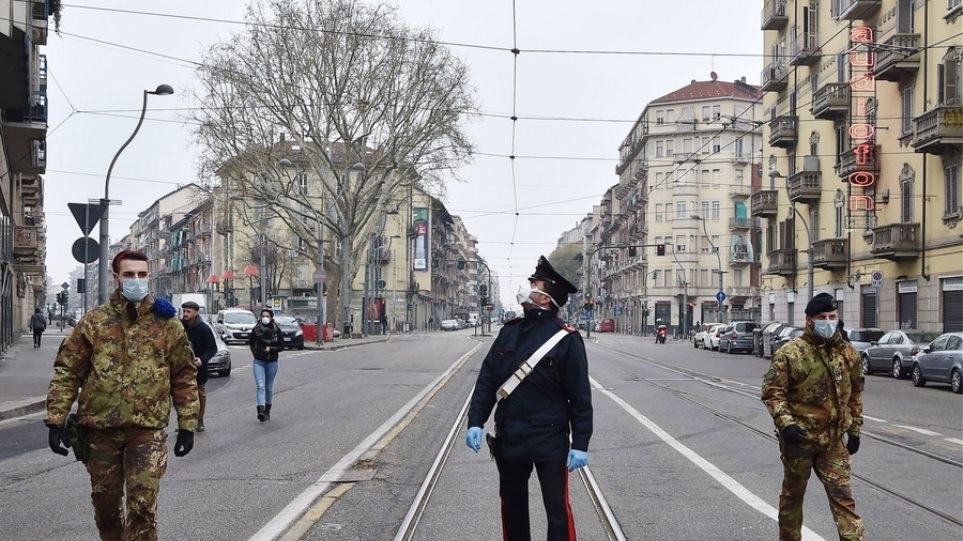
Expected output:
{"points": [[864, 135], [23, 160], [676, 231]]}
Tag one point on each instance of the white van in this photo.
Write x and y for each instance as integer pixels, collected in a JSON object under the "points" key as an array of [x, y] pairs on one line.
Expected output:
{"points": [[235, 324]]}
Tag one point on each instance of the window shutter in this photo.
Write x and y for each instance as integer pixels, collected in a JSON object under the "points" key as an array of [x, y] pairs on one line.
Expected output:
{"points": [[951, 76]]}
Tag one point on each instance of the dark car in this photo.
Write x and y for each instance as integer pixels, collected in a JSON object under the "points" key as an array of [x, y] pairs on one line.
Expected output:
{"points": [[785, 336], [942, 361], [737, 337], [894, 352], [220, 363], [291, 329]]}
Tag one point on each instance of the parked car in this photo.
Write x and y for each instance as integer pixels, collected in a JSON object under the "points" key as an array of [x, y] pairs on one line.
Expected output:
{"points": [[737, 336], [292, 331], [450, 325], [235, 324], [894, 352], [785, 336], [861, 339], [606, 325], [770, 331], [942, 361], [220, 363], [698, 339], [711, 340]]}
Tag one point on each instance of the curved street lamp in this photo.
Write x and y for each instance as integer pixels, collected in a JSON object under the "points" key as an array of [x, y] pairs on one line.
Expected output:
{"points": [[718, 259], [161, 90]]}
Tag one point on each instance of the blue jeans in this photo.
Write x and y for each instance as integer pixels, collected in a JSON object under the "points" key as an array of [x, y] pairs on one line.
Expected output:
{"points": [[264, 373]]}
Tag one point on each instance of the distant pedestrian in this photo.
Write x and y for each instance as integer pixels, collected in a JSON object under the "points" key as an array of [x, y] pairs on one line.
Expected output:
{"points": [[130, 360], [204, 346], [431, 323], [384, 325], [38, 325], [267, 341], [814, 392]]}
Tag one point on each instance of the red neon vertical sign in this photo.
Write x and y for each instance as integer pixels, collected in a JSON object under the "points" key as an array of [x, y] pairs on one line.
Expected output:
{"points": [[862, 85]]}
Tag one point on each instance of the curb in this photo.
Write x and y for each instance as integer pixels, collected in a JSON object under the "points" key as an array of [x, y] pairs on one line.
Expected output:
{"points": [[346, 345], [20, 408]]}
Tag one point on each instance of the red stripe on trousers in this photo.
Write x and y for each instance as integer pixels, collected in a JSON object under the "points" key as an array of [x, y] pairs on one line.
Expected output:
{"points": [[568, 508]]}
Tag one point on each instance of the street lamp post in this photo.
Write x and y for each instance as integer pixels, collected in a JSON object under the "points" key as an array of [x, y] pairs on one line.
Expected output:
{"points": [[718, 260], [161, 90], [773, 174], [685, 296]]}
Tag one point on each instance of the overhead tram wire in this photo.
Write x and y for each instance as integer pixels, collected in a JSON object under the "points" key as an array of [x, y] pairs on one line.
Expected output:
{"points": [[514, 119]]}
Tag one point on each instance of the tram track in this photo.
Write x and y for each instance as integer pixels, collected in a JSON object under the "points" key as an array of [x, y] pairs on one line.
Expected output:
{"points": [[721, 383]]}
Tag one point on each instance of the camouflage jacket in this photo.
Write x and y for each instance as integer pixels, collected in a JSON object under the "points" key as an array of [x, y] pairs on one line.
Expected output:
{"points": [[818, 385], [127, 372]]}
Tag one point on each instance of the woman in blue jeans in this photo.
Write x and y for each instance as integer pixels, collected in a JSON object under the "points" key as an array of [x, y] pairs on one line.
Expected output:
{"points": [[266, 342]]}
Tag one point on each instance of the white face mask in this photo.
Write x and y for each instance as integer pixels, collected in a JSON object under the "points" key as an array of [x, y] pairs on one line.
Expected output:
{"points": [[524, 296], [265, 321]]}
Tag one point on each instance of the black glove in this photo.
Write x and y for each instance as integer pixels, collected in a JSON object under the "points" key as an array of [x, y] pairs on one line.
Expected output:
{"points": [[793, 435], [185, 442], [852, 444], [58, 439]]}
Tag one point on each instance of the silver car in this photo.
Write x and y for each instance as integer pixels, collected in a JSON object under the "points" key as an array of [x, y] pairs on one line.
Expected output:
{"points": [[862, 339], [942, 361], [220, 363], [894, 352]]}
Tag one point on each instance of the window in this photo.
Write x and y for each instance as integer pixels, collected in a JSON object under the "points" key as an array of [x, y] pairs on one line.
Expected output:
{"points": [[737, 277], [716, 174], [715, 210], [705, 145], [705, 113], [906, 108], [658, 212], [951, 176], [670, 147], [669, 115], [680, 210], [659, 152], [716, 111], [716, 146], [705, 210], [668, 278], [302, 246], [739, 177], [704, 245], [687, 146], [715, 240], [814, 224], [660, 117], [658, 179], [838, 203], [906, 200], [302, 182], [948, 77], [680, 247], [738, 147]]}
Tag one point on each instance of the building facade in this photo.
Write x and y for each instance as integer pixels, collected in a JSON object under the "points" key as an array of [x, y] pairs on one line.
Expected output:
{"points": [[864, 134]]}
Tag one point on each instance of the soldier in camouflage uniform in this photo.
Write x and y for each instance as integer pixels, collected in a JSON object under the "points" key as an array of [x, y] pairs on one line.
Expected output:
{"points": [[814, 392], [130, 359]]}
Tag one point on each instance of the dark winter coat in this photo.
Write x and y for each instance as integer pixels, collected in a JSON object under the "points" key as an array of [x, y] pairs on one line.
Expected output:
{"points": [[534, 422], [203, 343], [266, 342]]}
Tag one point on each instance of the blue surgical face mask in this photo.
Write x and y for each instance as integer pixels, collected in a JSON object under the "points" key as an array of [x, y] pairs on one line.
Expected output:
{"points": [[825, 328], [135, 289]]}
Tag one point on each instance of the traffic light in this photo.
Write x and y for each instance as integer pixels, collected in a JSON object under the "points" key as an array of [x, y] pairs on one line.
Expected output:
{"points": [[660, 249], [483, 289], [632, 251]]}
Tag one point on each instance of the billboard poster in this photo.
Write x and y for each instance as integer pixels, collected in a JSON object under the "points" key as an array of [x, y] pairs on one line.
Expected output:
{"points": [[420, 223]]}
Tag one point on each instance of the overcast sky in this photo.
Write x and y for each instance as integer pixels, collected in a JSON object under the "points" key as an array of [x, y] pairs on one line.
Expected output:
{"points": [[564, 166]]}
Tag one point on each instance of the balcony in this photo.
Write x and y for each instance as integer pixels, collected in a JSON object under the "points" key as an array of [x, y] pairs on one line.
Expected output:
{"points": [[805, 49], [782, 262], [740, 192], [765, 203], [42, 72], [896, 241], [849, 162], [831, 253], [897, 57], [805, 187], [740, 255], [774, 15], [737, 224], [685, 189], [739, 291], [939, 130], [26, 240], [831, 101], [782, 131], [855, 9], [39, 21], [774, 76], [741, 157]]}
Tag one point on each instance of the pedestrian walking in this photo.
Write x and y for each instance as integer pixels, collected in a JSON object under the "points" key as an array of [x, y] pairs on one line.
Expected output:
{"points": [[38, 324], [130, 360], [814, 392], [537, 371], [266, 342], [204, 346]]}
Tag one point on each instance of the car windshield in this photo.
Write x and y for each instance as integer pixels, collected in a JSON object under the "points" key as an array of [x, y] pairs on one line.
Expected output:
{"points": [[866, 336], [239, 318], [922, 337], [286, 320]]}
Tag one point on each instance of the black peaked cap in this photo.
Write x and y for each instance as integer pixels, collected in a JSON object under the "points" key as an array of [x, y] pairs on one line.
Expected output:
{"points": [[545, 272]]}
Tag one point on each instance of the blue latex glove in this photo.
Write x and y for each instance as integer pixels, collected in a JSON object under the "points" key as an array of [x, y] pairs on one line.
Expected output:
{"points": [[473, 438], [577, 459]]}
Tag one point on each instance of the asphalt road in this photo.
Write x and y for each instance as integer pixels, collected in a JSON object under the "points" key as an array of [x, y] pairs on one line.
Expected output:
{"points": [[682, 450]]}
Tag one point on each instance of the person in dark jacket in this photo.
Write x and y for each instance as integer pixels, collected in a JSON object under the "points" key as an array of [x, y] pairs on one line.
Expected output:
{"points": [[204, 345], [533, 423], [266, 341], [38, 325]]}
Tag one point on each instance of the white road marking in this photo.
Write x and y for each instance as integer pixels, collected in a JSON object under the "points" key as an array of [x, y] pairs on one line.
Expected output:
{"points": [[877, 419], [920, 430], [724, 479], [953, 440]]}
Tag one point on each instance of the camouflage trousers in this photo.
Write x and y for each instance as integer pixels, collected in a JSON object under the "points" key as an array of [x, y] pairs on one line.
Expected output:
{"points": [[833, 469], [134, 458]]}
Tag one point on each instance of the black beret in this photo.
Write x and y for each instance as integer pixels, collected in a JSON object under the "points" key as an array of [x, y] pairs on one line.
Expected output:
{"points": [[192, 305], [824, 302], [559, 288]]}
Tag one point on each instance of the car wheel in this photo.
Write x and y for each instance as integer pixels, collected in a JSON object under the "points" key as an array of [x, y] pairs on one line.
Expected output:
{"points": [[918, 380], [300, 347], [956, 381], [897, 369], [864, 365], [695, 344]]}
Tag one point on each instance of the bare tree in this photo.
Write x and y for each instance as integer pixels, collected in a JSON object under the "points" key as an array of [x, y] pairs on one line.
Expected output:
{"points": [[326, 84]]}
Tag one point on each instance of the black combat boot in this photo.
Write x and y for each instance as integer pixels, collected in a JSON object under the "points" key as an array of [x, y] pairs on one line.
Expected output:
{"points": [[261, 416], [267, 412]]}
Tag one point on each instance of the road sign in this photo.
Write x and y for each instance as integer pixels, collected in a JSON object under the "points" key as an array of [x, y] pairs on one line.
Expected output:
{"points": [[877, 278], [721, 296], [92, 252], [87, 215], [319, 276], [618, 309]]}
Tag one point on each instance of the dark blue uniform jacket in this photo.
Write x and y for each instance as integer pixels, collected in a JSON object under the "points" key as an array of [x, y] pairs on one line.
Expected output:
{"points": [[203, 343], [534, 422]]}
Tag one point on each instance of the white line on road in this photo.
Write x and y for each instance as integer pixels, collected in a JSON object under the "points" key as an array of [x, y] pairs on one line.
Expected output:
{"points": [[920, 430], [953, 440], [303, 501], [723, 478], [877, 419]]}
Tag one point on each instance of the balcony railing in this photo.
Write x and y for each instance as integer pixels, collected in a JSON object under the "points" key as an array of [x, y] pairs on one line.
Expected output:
{"points": [[831, 101], [855, 9], [805, 49], [831, 253], [739, 291], [774, 76], [740, 255], [782, 262], [849, 162], [939, 130], [897, 57], [25, 239], [765, 203], [896, 241], [805, 187], [740, 223], [774, 15], [782, 131]]}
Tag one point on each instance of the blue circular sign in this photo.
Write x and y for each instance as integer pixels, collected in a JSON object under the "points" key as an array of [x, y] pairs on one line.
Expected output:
{"points": [[721, 296]]}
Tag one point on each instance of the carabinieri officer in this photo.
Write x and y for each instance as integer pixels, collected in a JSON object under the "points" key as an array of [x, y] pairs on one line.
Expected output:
{"points": [[533, 422]]}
